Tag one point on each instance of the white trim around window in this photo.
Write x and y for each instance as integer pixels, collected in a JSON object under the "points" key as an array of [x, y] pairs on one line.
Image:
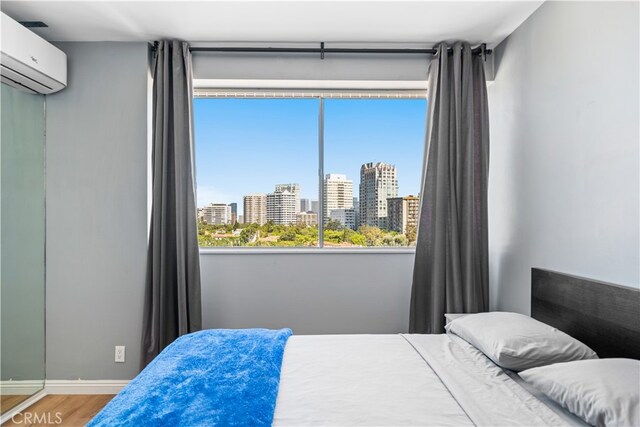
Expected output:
{"points": [[379, 250], [200, 85], [364, 89]]}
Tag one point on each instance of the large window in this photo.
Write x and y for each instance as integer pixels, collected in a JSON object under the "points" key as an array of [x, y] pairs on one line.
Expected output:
{"points": [[315, 171]]}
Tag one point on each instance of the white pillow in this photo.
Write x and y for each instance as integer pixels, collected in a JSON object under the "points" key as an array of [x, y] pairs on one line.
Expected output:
{"points": [[518, 342], [603, 392]]}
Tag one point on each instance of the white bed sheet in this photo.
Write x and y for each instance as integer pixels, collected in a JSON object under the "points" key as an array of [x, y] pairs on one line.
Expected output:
{"points": [[399, 380], [486, 392], [361, 380]]}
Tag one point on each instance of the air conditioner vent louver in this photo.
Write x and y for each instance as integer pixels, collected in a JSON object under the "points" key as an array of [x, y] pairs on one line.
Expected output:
{"points": [[23, 80]]}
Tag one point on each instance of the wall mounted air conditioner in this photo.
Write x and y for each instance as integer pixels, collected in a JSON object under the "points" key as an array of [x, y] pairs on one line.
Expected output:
{"points": [[29, 62]]}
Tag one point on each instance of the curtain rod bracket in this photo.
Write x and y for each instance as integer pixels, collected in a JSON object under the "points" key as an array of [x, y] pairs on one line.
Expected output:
{"points": [[321, 50]]}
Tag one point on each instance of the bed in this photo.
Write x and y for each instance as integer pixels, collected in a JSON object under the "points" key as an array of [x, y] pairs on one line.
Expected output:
{"points": [[410, 380], [376, 380]]}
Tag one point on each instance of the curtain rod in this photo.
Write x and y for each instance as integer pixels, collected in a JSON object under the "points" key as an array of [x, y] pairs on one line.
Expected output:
{"points": [[480, 50]]}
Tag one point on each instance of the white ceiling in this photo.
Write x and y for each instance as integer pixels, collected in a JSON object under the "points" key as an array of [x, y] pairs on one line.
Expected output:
{"points": [[266, 21]]}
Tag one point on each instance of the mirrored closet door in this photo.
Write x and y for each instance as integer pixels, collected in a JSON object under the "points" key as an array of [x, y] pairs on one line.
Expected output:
{"points": [[22, 236]]}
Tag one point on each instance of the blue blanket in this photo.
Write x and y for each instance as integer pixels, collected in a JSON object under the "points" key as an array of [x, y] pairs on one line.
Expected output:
{"points": [[212, 377]]}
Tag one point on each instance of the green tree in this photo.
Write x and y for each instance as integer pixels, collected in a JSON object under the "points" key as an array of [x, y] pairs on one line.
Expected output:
{"points": [[333, 224], [288, 235], [269, 227], [373, 235], [358, 239], [412, 233], [400, 240], [333, 236], [248, 233]]}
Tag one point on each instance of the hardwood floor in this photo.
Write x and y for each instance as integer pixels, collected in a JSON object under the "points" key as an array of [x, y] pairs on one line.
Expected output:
{"points": [[8, 401], [73, 410]]}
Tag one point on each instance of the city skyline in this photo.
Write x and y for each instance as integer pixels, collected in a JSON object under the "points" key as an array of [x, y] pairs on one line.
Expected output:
{"points": [[378, 204], [277, 187], [279, 219], [246, 146], [301, 201]]}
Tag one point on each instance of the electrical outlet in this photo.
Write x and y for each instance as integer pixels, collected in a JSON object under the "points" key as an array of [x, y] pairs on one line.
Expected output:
{"points": [[120, 354]]}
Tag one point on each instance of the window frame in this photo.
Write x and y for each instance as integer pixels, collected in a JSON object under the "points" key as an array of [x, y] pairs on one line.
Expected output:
{"points": [[360, 91]]}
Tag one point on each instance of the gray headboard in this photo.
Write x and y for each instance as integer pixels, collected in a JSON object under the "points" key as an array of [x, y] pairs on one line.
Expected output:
{"points": [[604, 316]]}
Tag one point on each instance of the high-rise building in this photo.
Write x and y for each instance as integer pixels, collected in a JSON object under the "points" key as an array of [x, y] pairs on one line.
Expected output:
{"points": [[378, 182], [216, 213], [281, 207], [305, 205], [356, 208], [315, 206], [291, 188], [255, 209], [234, 212], [338, 194], [402, 213], [309, 219], [346, 217]]}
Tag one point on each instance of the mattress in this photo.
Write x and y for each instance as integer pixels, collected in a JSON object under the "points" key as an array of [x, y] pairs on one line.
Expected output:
{"points": [[417, 380]]}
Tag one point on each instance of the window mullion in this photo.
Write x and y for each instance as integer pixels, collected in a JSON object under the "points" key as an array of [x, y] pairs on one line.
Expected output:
{"points": [[321, 200]]}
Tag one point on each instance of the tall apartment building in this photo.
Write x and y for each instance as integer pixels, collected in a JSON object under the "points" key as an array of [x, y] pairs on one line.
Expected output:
{"points": [[281, 207], [356, 208], [255, 209], [234, 212], [338, 194], [216, 213], [315, 206], [378, 182], [291, 188], [402, 212], [305, 205]]}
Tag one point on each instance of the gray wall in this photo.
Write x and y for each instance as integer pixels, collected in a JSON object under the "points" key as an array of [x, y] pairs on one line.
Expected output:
{"points": [[97, 211], [96, 238], [564, 180], [563, 195], [310, 293]]}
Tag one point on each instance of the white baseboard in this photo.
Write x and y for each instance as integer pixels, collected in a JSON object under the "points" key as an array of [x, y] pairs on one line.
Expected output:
{"points": [[21, 406], [20, 387], [84, 386]]}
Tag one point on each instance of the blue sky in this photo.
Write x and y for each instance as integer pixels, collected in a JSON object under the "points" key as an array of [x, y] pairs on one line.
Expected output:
{"points": [[246, 146]]}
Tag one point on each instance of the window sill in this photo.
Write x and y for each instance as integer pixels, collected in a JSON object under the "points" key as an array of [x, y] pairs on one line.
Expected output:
{"points": [[298, 251]]}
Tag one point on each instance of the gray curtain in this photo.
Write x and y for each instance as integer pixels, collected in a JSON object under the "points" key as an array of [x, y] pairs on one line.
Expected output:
{"points": [[451, 273], [172, 301]]}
